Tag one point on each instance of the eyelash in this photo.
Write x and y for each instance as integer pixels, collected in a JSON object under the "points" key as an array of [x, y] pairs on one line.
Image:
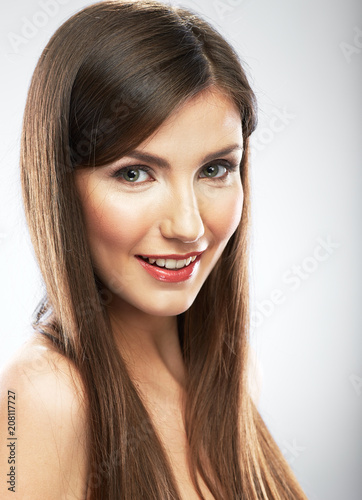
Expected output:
{"points": [[230, 167]]}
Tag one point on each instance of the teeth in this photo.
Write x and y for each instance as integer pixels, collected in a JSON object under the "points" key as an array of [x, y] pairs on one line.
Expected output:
{"points": [[180, 263], [171, 263]]}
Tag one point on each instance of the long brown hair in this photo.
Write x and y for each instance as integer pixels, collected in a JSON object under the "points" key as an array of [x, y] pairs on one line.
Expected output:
{"points": [[107, 79]]}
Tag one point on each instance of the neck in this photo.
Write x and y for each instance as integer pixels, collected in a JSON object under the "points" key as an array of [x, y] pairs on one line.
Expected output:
{"points": [[150, 348]]}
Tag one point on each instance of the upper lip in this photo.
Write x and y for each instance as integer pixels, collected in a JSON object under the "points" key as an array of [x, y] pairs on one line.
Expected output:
{"points": [[173, 256]]}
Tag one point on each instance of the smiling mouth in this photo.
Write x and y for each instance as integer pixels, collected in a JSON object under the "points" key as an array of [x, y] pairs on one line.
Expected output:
{"points": [[171, 264]]}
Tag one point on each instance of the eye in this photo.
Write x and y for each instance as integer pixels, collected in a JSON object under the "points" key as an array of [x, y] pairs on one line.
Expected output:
{"points": [[217, 171], [132, 175], [213, 170]]}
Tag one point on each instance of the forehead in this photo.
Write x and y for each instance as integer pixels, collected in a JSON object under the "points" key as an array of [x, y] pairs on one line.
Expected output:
{"points": [[208, 121]]}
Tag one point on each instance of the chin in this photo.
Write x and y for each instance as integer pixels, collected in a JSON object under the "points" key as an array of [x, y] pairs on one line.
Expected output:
{"points": [[167, 307]]}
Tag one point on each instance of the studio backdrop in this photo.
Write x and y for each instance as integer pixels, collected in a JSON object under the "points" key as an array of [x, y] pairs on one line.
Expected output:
{"points": [[304, 62]]}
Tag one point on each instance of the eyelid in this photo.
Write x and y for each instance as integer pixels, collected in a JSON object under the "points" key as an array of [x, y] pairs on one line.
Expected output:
{"points": [[230, 166], [117, 173]]}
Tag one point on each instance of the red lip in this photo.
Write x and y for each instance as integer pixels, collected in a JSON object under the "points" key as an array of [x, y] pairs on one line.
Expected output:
{"points": [[170, 275], [173, 256]]}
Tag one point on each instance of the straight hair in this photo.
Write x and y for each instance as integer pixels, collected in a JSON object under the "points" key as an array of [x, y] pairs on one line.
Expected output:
{"points": [[108, 78]]}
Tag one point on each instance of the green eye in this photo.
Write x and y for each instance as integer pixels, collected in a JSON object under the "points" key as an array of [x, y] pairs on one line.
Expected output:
{"points": [[214, 171], [131, 175]]}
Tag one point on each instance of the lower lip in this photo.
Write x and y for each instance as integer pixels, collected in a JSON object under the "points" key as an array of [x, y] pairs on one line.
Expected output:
{"points": [[170, 275]]}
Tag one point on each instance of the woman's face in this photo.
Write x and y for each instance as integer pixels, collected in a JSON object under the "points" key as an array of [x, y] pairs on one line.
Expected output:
{"points": [[176, 197]]}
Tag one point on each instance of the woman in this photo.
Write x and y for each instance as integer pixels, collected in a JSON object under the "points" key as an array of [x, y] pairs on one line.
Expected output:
{"points": [[135, 178]]}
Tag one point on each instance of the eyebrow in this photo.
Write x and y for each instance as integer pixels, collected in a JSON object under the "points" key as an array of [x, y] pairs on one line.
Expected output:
{"points": [[162, 163]]}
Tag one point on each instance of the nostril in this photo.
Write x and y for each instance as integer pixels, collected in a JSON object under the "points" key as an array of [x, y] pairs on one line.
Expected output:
{"points": [[182, 220]]}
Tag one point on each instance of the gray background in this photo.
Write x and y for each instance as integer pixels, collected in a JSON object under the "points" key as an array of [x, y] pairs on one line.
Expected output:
{"points": [[304, 59]]}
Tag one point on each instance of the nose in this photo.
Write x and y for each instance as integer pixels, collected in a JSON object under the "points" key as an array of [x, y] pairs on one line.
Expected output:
{"points": [[182, 219]]}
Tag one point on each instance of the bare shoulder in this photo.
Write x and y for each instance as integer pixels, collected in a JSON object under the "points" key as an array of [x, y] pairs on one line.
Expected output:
{"points": [[42, 426]]}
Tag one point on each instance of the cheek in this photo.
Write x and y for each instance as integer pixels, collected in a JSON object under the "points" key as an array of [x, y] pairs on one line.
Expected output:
{"points": [[223, 213], [114, 223]]}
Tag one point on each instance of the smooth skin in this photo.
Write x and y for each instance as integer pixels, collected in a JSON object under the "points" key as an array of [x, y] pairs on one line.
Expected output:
{"points": [[172, 209], [51, 447], [179, 205]]}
